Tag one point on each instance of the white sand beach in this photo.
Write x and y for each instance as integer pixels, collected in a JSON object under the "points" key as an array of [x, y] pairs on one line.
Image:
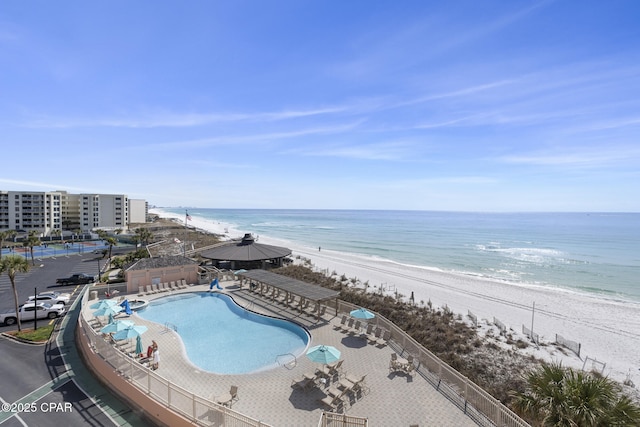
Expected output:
{"points": [[608, 331]]}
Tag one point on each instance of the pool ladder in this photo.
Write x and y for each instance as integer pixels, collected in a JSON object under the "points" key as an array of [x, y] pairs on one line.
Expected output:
{"points": [[170, 326], [290, 364]]}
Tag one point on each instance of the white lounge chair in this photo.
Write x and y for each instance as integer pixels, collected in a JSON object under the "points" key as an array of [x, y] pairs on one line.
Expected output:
{"points": [[386, 336], [341, 324]]}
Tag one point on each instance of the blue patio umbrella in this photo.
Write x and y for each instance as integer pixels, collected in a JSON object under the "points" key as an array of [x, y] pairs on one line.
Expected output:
{"points": [[139, 344], [362, 313], [116, 326], [104, 303], [323, 354], [108, 311], [130, 332]]}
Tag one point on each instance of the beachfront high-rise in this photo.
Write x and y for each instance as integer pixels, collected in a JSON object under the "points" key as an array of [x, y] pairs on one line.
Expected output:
{"points": [[47, 212]]}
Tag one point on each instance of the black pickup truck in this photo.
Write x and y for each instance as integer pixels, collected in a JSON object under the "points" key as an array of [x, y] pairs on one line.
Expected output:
{"points": [[76, 279]]}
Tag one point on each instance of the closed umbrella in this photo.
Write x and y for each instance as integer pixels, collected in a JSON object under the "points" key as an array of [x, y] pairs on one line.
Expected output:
{"points": [[323, 354], [139, 344], [116, 326]]}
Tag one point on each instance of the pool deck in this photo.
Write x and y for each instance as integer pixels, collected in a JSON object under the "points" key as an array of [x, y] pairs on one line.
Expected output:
{"points": [[391, 399]]}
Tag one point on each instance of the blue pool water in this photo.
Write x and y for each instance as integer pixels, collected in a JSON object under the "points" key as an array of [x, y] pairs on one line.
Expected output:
{"points": [[221, 337]]}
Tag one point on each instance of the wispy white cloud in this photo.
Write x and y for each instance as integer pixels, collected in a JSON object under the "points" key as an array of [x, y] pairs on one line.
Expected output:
{"points": [[253, 137], [576, 157], [169, 119], [378, 151]]}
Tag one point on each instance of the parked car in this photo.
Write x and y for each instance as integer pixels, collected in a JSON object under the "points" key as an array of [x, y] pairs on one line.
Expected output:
{"points": [[43, 310], [51, 297], [76, 279]]}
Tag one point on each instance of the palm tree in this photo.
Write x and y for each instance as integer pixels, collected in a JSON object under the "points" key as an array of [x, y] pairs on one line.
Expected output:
{"points": [[5, 235], [111, 241], [56, 232], [32, 240], [13, 264], [564, 397], [143, 235]]}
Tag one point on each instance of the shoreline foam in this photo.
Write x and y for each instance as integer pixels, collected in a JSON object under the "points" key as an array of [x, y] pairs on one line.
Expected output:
{"points": [[608, 330]]}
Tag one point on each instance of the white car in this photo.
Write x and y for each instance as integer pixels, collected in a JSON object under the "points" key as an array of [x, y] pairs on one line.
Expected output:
{"points": [[50, 297], [42, 310]]}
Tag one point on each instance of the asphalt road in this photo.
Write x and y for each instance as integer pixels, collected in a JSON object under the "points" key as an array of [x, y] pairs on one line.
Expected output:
{"points": [[36, 391]]}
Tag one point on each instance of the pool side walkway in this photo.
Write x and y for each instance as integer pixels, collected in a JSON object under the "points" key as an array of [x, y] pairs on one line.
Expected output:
{"points": [[74, 368], [392, 399]]}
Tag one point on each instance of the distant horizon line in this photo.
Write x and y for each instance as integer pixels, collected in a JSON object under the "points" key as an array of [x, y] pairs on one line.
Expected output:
{"points": [[400, 210]]}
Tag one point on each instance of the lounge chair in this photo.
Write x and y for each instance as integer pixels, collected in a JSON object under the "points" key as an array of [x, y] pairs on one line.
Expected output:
{"points": [[323, 309], [394, 364], [348, 326], [228, 398], [374, 337], [305, 383], [353, 384], [174, 286], [183, 284], [155, 289], [409, 367], [334, 402], [385, 337], [331, 370], [356, 328], [171, 286], [341, 324], [369, 330], [140, 291], [150, 290]]}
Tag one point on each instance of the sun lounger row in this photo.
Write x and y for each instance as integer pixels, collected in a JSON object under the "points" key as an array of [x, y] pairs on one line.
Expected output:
{"points": [[163, 287], [351, 326], [301, 304]]}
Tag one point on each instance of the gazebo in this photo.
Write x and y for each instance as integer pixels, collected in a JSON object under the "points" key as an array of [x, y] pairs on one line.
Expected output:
{"points": [[246, 254]]}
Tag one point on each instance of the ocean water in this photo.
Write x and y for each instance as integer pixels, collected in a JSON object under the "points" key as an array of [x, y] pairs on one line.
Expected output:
{"points": [[594, 253]]}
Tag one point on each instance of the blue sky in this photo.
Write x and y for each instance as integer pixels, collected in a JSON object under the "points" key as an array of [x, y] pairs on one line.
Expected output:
{"points": [[463, 105]]}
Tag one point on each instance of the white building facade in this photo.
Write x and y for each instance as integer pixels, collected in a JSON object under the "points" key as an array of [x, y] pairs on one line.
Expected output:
{"points": [[48, 212]]}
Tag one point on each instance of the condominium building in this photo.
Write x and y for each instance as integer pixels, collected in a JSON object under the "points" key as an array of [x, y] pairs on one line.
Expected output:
{"points": [[47, 212], [25, 211]]}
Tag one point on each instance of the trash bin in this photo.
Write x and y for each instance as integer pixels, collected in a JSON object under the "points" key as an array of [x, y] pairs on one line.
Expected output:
{"points": [[93, 295]]}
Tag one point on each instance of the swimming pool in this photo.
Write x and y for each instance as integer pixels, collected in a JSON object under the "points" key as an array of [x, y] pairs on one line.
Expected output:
{"points": [[221, 337]]}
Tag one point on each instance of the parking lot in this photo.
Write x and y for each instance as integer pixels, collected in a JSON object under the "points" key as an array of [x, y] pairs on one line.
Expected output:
{"points": [[47, 384]]}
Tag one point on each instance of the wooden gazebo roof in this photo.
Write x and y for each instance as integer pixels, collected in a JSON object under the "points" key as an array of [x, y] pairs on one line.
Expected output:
{"points": [[246, 250]]}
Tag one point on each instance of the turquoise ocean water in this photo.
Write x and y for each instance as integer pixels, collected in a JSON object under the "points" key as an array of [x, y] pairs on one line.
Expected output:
{"points": [[594, 253]]}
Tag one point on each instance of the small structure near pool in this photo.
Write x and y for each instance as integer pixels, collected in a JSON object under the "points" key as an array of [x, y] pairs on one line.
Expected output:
{"points": [[149, 271]]}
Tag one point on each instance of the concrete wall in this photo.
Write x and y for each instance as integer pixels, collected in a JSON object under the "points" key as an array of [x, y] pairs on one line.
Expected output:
{"points": [[142, 278]]}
